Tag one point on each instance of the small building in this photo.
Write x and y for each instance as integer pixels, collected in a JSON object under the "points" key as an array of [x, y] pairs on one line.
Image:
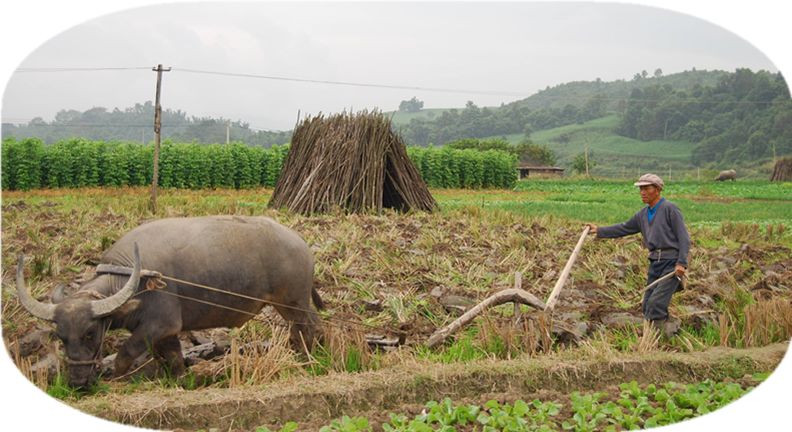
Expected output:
{"points": [[539, 171]]}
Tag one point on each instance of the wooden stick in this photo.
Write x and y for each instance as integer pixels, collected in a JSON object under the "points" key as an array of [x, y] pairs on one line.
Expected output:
{"points": [[551, 301], [508, 295], [662, 278]]}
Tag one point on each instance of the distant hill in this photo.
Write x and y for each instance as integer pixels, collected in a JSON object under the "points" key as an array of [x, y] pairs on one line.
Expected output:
{"points": [[568, 103], [577, 93], [691, 119]]}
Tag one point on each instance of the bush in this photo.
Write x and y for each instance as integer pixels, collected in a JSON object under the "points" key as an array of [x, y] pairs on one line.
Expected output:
{"points": [[22, 163]]}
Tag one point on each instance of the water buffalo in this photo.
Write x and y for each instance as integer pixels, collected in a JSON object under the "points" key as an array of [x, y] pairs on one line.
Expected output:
{"points": [[727, 175], [253, 256]]}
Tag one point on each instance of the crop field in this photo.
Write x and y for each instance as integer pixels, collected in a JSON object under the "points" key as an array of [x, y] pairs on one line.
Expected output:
{"points": [[592, 365]]}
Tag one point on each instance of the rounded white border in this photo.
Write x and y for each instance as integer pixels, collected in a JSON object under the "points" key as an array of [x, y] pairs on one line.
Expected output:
{"points": [[28, 24]]}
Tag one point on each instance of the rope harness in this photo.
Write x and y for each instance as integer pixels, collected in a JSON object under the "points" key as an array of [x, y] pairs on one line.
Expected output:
{"points": [[156, 282]]}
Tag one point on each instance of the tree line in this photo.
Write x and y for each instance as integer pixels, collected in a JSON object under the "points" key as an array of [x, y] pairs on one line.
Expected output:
{"points": [[136, 124], [746, 116], [476, 122]]}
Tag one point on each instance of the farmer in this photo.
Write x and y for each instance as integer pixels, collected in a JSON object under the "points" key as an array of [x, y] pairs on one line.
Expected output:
{"points": [[665, 235]]}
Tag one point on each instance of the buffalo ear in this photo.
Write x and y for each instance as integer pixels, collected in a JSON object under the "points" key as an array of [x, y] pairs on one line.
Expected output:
{"points": [[127, 308], [58, 294]]}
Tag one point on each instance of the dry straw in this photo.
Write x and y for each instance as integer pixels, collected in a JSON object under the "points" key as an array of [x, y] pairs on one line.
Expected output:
{"points": [[257, 363], [767, 322], [39, 377], [350, 162]]}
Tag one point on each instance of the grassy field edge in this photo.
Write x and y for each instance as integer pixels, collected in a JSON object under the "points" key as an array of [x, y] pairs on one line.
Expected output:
{"points": [[324, 398]]}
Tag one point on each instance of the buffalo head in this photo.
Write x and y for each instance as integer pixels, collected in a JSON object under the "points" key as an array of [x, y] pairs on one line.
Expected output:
{"points": [[81, 320]]}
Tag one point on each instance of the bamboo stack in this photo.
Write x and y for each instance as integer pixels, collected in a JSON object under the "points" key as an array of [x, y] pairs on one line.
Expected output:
{"points": [[350, 162]]}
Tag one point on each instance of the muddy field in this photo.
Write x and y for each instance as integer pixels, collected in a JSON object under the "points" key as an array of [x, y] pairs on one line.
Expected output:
{"points": [[397, 278]]}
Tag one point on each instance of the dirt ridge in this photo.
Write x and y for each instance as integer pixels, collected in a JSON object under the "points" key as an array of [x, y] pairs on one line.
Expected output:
{"points": [[323, 398]]}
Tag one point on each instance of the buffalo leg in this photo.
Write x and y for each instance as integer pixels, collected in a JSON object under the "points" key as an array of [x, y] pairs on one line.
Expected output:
{"points": [[136, 345], [142, 340], [169, 348], [303, 326]]}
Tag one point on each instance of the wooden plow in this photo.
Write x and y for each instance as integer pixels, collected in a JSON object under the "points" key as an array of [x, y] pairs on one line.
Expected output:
{"points": [[515, 295]]}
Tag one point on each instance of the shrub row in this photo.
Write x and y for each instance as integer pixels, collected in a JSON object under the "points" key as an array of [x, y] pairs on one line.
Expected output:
{"points": [[29, 164], [447, 167]]}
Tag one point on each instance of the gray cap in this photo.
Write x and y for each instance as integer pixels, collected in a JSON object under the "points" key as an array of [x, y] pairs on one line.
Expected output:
{"points": [[650, 179]]}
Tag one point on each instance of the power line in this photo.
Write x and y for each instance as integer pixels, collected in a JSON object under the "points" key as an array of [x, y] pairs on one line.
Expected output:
{"points": [[349, 83], [279, 78], [538, 95], [21, 123], [79, 69]]}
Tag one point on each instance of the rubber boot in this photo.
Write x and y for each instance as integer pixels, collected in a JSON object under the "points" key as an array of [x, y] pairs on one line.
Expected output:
{"points": [[660, 326], [671, 327]]}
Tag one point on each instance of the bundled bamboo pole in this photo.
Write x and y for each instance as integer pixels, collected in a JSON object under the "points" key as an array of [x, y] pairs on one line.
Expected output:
{"points": [[350, 162]]}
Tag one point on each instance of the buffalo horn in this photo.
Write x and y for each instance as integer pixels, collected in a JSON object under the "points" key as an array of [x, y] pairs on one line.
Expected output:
{"points": [[45, 311], [103, 307]]}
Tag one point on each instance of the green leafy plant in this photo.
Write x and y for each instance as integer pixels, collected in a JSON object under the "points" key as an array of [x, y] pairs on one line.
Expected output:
{"points": [[348, 424], [288, 427]]}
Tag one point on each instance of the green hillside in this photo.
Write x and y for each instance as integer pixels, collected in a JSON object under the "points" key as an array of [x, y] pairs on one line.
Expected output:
{"points": [[614, 155], [577, 93]]}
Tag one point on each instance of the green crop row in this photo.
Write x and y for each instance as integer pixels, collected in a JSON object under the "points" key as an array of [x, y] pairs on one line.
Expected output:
{"points": [[633, 407], [446, 167], [29, 164]]}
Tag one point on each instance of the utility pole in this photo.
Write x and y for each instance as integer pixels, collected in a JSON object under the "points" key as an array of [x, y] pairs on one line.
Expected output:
{"points": [[228, 131], [157, 126]]}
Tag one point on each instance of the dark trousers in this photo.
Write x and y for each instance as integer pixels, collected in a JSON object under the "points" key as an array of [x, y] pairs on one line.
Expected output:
{"points": [[656, 299]]}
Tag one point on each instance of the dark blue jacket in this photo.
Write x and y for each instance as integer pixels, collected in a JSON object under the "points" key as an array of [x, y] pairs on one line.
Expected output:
{"points": [[666, 234]]}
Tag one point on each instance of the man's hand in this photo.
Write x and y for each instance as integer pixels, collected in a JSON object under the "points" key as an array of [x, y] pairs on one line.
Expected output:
{"points": [[592, 228], [680, 270]]}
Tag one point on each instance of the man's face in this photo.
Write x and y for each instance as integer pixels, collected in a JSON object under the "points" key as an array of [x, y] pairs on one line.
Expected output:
{"points": [[649, 194]]}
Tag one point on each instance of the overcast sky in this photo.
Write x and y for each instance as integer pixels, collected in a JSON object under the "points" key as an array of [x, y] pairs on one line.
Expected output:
{"points": [[493, 52]]}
